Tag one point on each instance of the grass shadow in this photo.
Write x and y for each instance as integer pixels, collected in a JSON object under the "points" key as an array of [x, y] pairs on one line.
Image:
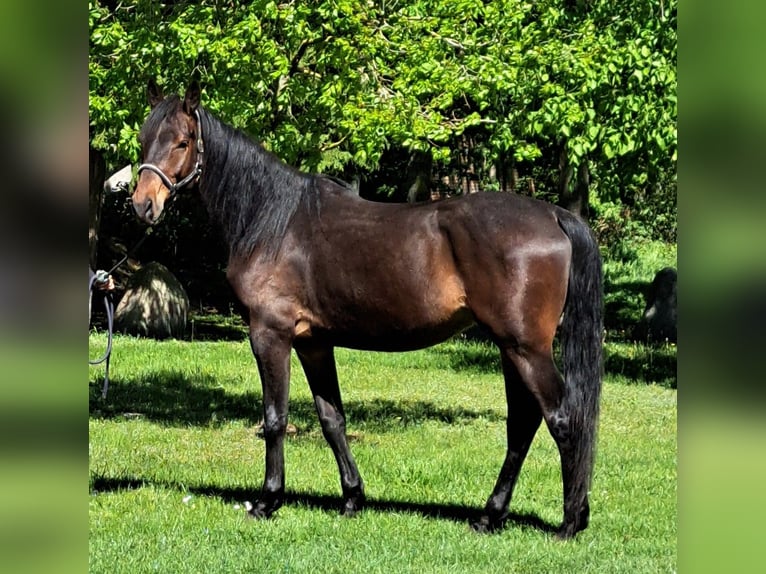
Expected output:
{"points": [[646, 363], [173, 398], [216, 327], [624, 303], [328, 503], [470, 354]]}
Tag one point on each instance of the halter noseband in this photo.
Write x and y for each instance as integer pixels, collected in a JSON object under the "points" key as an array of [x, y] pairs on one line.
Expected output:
{"points": [[196, 172]]}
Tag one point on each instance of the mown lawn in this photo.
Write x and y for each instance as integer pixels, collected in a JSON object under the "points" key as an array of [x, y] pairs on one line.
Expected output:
{"points": [[175, 456]]}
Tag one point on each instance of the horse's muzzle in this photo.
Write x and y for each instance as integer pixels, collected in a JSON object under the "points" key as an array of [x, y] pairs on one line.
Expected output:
{"points": [[148, 210]]}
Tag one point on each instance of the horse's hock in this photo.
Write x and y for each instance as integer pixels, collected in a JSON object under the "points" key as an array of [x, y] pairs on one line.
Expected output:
{"points": [[154, 305], [659, 322]]}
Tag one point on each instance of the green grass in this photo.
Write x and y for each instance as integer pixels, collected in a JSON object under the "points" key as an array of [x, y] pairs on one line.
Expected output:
{"points": [[174, 456]]}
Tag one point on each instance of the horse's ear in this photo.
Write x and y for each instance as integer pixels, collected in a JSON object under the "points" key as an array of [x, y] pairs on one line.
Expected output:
{"points": [[154, 93], [191, 99]]}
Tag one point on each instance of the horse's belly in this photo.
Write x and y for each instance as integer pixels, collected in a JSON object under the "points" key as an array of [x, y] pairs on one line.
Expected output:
{"points": [[385, 333], [414, 304]]}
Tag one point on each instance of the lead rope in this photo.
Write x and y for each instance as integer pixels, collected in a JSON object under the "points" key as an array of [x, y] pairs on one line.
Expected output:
{"points": [[101, 277]]}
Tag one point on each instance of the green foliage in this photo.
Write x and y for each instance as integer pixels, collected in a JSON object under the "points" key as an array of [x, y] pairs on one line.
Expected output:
{"points": [[282, 72]]}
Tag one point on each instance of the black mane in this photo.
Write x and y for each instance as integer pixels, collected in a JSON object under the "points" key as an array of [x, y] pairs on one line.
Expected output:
{"points": [[250, 192]]}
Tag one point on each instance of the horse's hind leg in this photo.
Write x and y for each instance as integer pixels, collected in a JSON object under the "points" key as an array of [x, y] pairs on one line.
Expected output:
{"points": [[319, 366], [560, 412], [524, 417]]}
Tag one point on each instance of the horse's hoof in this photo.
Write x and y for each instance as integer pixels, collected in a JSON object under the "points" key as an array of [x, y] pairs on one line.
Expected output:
{"points": [[565, 533], [261, 511], [257, 514], [480, 527], [485, 525], [568, 531], [349, 511], [353, 506]]}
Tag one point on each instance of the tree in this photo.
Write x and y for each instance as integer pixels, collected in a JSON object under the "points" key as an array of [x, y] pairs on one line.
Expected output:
{"points": [[336, 82], [588, 87]]}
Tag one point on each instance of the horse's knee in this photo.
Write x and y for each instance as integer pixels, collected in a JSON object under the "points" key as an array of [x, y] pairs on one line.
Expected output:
{"points": [[274, 424]]}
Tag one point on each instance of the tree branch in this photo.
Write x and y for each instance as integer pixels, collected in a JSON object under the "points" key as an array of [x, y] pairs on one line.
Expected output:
{"points": [[333, 145], [281, 82]]}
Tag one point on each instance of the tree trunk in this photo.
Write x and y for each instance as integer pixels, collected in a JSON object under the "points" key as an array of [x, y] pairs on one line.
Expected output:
{"points": [[472, 176], [531, 191], [96, 201], [507, 172], [573, 195], [418, 177]]}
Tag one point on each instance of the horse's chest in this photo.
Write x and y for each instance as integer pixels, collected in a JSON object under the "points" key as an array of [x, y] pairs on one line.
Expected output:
{"points": [[270, 288]]}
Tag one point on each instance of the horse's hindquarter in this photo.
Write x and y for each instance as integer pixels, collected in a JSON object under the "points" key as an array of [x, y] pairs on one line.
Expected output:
{"points": [[513, 258]]}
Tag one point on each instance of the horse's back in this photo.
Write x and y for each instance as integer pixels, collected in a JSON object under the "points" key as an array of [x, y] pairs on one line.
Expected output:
{"points": [[502, 213]]}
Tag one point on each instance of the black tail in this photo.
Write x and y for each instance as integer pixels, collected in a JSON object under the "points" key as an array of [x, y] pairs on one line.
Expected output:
{"points": [[581, 339]]}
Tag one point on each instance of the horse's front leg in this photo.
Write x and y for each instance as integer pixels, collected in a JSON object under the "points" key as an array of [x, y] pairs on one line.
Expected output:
{"points": [[272, 353], [319, 366]]}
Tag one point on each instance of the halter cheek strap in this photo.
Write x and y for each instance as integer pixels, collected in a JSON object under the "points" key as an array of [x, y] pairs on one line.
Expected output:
{"points": [[196, 172]]}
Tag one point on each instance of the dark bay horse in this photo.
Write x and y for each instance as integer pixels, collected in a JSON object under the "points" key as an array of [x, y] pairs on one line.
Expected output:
{"points": [[317, 267]]}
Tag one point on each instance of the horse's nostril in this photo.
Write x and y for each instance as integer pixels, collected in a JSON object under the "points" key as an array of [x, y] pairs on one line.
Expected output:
{"points": [[148, 210]]}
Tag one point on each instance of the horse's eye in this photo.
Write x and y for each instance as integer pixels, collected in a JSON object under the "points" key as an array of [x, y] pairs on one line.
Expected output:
{"points": [[183, 145]]}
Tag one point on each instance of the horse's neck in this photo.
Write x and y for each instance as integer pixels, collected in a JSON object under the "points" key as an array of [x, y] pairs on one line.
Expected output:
{"points": [[233, 153], [250, 192]]}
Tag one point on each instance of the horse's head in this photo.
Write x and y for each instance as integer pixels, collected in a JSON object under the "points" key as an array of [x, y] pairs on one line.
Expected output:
{"points": [[171, 150]]}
